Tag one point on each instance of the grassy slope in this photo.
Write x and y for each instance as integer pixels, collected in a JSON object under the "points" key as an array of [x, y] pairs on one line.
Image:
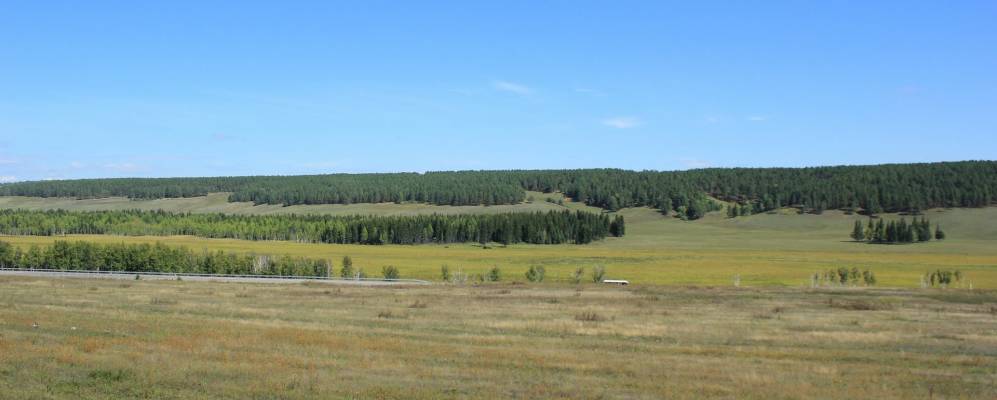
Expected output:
{"points": [[767, 249], [194, 340]]}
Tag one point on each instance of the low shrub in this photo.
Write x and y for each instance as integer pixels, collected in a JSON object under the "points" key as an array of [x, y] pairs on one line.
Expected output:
{"points": [[536, 273], [390, 272], [589, 316]]}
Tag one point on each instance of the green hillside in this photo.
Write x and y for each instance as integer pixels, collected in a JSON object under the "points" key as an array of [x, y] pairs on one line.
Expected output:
{"points": [[871, 188]]}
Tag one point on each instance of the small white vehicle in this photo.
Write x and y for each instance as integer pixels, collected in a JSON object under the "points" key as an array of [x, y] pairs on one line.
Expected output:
{"points": [[620, 282]]}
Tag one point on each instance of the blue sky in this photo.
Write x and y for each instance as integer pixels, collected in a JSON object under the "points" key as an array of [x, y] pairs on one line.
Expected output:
{"points": [[106, 89]]}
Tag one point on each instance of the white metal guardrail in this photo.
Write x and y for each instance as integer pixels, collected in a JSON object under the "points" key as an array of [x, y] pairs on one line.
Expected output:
{"points": [[187, 274]]}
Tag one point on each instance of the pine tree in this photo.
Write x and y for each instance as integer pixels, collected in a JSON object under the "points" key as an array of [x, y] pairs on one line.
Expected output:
{"points": [[347, 271], [939, 233], [880, 235], [857, 232]]}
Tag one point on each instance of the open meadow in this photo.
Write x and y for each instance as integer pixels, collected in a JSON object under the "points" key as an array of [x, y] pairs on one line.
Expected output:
{"points": [[778, 248], [104, 339]]}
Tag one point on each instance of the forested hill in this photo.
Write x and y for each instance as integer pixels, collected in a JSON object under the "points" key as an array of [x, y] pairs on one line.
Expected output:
{"points": [[874, 188]]}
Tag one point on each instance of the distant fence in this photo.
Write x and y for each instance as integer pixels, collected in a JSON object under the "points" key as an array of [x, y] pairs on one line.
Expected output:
{"points": [[183, 275]]}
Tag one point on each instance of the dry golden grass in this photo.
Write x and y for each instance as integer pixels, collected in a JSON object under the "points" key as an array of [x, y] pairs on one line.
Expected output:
{"points": [[185, 340]]}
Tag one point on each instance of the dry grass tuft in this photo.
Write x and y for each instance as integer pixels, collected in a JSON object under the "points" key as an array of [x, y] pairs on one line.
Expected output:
{"points": [[589, 316], [859, 305], [388, 314], [162, 301], [418, 304]]}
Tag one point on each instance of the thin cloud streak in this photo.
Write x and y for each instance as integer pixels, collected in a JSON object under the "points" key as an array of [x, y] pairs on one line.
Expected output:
{"points": [[621, 122], [512, 87]]}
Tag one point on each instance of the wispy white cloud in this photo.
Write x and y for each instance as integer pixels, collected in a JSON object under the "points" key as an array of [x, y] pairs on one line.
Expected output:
{"points": [[757, 118], [621, 122], [7, 178], [512, 87]]}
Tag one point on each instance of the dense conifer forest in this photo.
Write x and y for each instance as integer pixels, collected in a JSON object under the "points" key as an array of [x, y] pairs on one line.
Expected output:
{"points": [[553, 227], [869, 189], [157, 257]]}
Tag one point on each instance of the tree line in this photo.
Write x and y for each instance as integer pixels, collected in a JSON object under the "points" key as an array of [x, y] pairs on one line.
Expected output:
{"points": [[81, 255], [919, 230], [869, 189], [552, 227]]}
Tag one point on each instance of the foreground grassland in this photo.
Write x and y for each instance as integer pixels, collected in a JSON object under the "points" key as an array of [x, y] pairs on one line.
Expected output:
{"points": [[767, 249], [186, 340]]}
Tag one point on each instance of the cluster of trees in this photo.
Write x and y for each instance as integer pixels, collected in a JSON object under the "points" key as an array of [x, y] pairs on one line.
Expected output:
{"points": [[942, 278], [919, 230], [844, 276], [157, 257], [552, 227], [869, 189]]}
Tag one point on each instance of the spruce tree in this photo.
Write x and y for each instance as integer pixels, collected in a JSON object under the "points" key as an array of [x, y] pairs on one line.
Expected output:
{"points": [[347, 271], [939, 233], [857, 232]]}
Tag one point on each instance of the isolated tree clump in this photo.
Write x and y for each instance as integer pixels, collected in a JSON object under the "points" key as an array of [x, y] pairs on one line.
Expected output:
{"points": [[347, 271], [892, 232], [389, 272], [494, 274], [535, 273], [942, 278], [845, 277]]}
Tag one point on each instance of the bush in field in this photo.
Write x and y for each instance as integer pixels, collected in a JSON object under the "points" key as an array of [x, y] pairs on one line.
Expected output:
{"points": [[589, 316], [598, 273], [536, 273], [389, 272], [943, 278], [845, 276], [445, 273], [494, 275], [347, 271], [577, 276], [869, 278]]}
